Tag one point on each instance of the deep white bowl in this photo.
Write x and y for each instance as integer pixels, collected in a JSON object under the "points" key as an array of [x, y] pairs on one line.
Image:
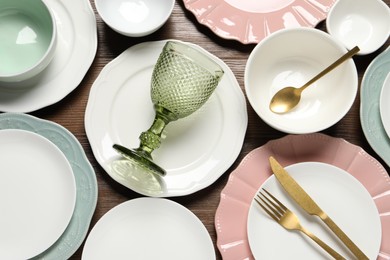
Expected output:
{"points": [[365, 23], [291, 57], [135, 18], [28, 36]]}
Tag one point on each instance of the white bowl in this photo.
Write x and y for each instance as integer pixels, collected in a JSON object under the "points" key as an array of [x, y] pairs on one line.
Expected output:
{"points": [[291, 57], [135, 18], [365, 23], [28, 37]]}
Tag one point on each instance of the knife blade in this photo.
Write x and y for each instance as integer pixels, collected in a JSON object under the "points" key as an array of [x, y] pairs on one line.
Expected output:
{"points": [[303, 199]]}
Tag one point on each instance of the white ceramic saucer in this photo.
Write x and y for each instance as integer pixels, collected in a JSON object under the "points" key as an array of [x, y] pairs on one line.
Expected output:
{"points": [[149, 228], [339, 194], [76, 49], [196, 150], [37, 194]]}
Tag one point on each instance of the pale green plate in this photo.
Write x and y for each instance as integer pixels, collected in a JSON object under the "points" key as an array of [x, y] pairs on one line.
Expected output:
{"points": [[86, 184], [370, 92]]}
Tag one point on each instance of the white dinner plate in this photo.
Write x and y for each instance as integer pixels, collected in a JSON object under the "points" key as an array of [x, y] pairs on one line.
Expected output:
{"points": [[75, 51], [384, 105], [149, 228], [37, 194], [339, 194], [196, 150]]}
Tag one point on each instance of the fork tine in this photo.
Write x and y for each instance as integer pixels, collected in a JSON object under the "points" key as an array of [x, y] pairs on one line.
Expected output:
{"points": [[271, 206], [271, 214], [276, 200]]}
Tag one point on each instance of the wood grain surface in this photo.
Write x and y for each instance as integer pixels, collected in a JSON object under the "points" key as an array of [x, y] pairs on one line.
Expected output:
{"points": [[182, 25]]}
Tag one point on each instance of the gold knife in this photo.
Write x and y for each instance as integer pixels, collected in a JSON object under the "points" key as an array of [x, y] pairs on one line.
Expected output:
{"points": [[308, 204]]}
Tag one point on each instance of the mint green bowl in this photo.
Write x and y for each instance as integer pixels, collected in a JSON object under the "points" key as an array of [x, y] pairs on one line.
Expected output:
{"points": [[28, 37]]}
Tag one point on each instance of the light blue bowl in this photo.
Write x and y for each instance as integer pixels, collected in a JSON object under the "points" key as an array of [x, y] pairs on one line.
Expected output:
{"points": [[28, 37]]}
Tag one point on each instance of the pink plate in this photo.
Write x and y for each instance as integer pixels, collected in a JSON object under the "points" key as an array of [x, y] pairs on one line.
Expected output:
{"points": [[244, 181], [250, 21]]}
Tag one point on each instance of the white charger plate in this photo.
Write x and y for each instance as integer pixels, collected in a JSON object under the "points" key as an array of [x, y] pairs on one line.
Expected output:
{"points": [[384, 104], [149, 228], [37, 194], [196, 150], [339, 194], [76, 49]]}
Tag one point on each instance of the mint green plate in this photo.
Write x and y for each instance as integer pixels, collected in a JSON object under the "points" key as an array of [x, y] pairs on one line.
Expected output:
{"points": [[370, 92], [86, 184]]}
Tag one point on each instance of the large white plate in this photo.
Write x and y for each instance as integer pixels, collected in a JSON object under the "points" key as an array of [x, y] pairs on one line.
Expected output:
{"points": [[384, 107], [197, 150], [339, 194], [76, 49], [86, 184], [149, 228], [37, 194]]}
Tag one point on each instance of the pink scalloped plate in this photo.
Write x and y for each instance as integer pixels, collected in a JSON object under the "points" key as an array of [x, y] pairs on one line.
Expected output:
{"points": [[232, 212], [249, 21]]}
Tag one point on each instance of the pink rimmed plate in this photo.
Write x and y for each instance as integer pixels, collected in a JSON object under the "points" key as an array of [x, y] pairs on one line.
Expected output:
{"points": [[251, 21], [236, 197]]}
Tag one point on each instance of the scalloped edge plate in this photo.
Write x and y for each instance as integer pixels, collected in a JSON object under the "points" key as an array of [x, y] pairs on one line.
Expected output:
{"points": [[244, 181], [251, 21], [86, 183]]}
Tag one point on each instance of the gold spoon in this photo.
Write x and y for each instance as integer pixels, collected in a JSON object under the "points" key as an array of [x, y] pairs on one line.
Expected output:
{"points": [[287, 98]]}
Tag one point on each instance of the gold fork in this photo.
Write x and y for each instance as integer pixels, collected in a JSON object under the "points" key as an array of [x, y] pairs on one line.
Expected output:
{"points": [[287, 219]]}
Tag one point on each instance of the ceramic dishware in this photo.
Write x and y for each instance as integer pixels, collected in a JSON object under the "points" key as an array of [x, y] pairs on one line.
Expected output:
{"points": [[84, 175], [112, 115], [372, 84], [288, 98], [183, 79], [365, 23], [28, 36], [251, 21], [231, 218], [37, 194], [135, 18], [291, 57], [75, 52], [335, 190], [149, 228]]}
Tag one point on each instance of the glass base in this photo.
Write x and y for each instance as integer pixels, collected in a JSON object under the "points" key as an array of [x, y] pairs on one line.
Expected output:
{"points": [[140, 160]]}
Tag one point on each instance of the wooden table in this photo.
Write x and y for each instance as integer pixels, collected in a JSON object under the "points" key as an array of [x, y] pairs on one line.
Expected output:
{"points": [[183, 26]]}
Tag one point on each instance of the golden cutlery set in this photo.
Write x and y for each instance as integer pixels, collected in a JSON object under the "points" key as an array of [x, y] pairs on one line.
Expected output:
{"points": [[287, 219]]}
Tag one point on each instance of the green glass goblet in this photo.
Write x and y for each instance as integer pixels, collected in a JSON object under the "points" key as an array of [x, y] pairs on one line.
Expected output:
{"points": [[182, 81]]}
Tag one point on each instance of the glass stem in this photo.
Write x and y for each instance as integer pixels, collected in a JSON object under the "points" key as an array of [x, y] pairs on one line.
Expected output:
{"points": [[151, 139]]}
